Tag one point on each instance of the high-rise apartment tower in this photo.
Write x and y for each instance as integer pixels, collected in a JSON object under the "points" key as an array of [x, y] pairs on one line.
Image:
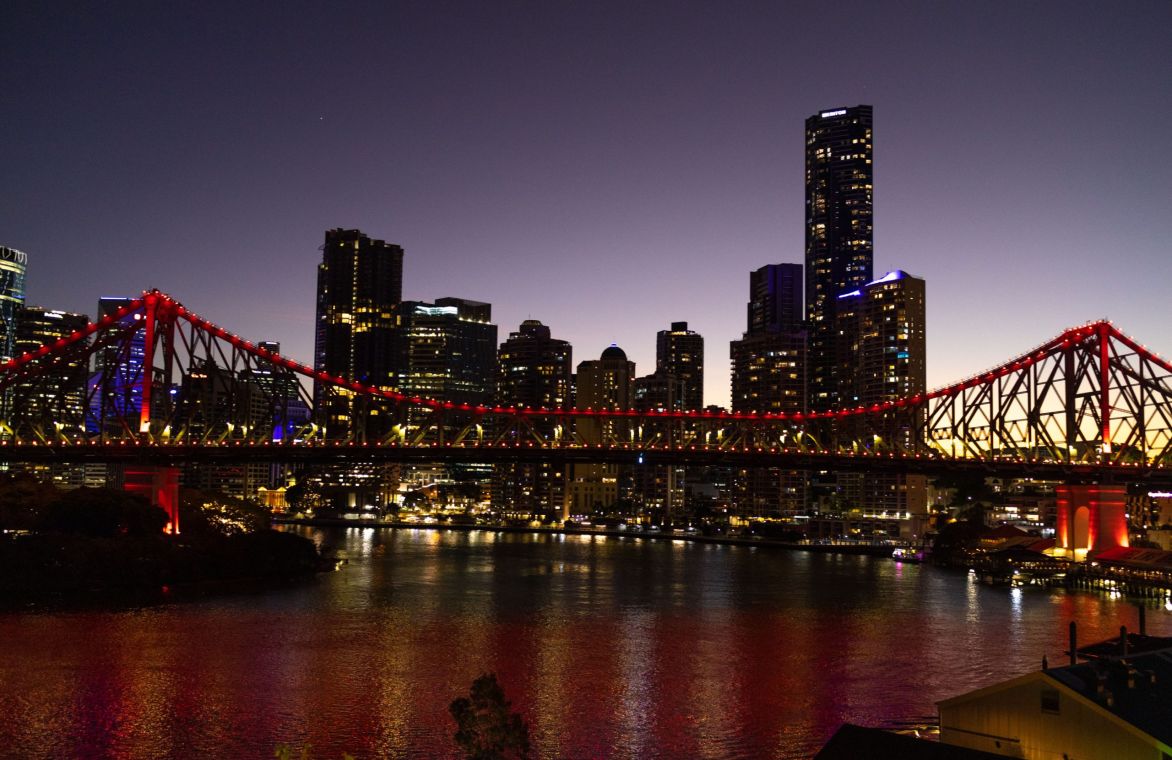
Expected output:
{"points": [[839, 245]]}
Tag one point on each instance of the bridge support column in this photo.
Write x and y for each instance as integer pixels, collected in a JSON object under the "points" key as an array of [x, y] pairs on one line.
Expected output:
{"points": [[1091, 519], [160, 485]]}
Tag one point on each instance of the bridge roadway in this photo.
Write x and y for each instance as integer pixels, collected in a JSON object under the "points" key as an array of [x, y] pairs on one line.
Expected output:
{"points": [[178, 454]]}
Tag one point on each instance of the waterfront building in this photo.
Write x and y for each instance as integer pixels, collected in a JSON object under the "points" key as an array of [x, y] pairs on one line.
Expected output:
{"points": [[769, 375], [659, 489], [534, 370], [53, 400], [604, 383], [212, 403], [1113, 706], [58, 396], [13, 265], [839, 245], [446, 350], [359, 286], [880, 340]]}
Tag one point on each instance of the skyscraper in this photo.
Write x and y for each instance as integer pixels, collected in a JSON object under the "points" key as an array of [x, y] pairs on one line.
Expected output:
{"points": [[58, 396], [604, 383], [769, 375], [359, 286], [53, 403], [839, 245], [881, 352], [534, 370], [769, 361], [118, 370], [13, 264], [679, 353], [446, 350]]}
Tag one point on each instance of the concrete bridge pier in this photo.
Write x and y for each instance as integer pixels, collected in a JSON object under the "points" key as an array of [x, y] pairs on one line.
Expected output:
{"points": [[1091, 518]]}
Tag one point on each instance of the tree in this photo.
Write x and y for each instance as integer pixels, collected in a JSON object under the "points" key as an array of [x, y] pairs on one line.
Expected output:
{"points": [[103, 513], [204, 513], [23, 499], [485, 728]]}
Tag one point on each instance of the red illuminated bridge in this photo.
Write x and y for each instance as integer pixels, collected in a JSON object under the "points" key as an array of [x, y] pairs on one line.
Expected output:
{"points": [[155, 385], [1091, 403]]}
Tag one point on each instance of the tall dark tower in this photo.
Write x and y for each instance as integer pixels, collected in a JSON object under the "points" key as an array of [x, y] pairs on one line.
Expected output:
{"points": [[769, 361], [534, 370], [679, 353], [839, 246], [359, 286], [775, 299]]}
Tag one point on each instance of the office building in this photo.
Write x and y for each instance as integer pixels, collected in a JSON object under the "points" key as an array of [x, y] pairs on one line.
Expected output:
{"points": [[359, 286], [769, 361], [56, 397], [52, 404], [534, 370], [13, 264], [769, 376], [445, 350], [115, 393], [839, 244], [679, 353], [881, 357], [604, 383]]}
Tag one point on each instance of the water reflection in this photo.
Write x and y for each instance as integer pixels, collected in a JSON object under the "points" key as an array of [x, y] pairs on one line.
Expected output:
{"points": [[622, 648]]}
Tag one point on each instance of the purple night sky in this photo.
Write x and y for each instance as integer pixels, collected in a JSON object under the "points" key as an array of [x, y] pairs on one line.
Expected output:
{"points": [[607, 168]]}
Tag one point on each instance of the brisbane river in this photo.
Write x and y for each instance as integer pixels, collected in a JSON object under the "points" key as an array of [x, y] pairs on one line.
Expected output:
{"points": [[610, 647]]}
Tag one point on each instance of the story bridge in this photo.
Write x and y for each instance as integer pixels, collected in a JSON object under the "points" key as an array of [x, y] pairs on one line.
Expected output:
{"points": [[155, 385]]}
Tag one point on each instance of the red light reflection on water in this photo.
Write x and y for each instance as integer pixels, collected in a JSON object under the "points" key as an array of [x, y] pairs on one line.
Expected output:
{"points": [[675, 658]]}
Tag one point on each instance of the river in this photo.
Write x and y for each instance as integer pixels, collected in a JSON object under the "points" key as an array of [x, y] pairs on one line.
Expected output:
{"points": [[610, 647]]}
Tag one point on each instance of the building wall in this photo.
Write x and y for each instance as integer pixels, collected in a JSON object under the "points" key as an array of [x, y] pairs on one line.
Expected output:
{"points": [[1011, 721]]}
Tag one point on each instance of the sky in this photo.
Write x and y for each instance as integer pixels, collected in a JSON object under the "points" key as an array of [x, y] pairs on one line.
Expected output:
{"points": [[605, 167]]}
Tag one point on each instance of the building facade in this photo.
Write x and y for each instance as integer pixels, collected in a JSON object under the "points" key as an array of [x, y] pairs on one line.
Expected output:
{"points": [[445, 350], [534, 370], [56, 399], [839, 241], [13, 265], [679, 352], [881, 343], [769, 375], [359, 287], [604, 383]]}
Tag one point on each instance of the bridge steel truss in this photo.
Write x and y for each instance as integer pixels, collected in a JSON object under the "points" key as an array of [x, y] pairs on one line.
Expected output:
{"points": [[157, 383]]}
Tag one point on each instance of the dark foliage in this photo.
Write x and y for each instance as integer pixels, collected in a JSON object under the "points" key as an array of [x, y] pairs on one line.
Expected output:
{"points": [[22, 500], [105, 539], [485, 728], [102, 513]]}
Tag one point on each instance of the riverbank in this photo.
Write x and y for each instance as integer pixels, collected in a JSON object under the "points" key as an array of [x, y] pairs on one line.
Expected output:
{"points": [[60, 569], [872, 550]]}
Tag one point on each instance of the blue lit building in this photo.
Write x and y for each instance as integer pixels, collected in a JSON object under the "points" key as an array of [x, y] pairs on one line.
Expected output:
{"points": [[118, 371]]}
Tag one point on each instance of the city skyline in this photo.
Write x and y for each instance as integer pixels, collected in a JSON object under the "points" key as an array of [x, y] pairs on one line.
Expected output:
{"points": [[604, 189]]}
